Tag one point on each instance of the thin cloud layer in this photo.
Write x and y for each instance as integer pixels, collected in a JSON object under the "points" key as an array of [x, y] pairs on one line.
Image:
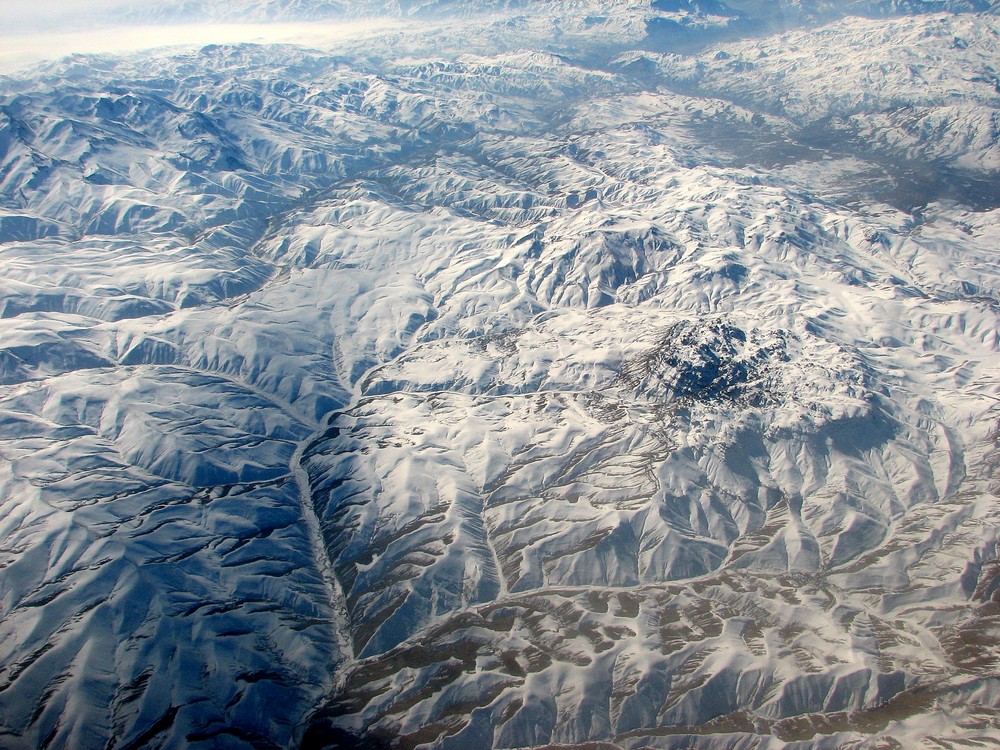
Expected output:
{"points": [[57, 28], [58, 14]]}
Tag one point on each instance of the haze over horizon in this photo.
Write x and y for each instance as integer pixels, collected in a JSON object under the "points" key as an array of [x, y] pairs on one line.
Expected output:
{"points": [[52, 29]]}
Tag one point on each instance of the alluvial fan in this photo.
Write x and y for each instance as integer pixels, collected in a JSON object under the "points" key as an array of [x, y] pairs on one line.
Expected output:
{"points": [[590, 374]]}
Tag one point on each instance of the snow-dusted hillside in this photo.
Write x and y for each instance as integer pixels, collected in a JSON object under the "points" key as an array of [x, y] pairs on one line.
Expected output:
{"points": [[510, 382], [925, 91]]}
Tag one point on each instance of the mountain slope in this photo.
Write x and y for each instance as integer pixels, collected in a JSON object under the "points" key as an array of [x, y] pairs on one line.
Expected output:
{"points": [[500, 397]]}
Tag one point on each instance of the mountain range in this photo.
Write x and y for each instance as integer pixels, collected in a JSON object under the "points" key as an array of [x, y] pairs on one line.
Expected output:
{"points": [[569, 374]]}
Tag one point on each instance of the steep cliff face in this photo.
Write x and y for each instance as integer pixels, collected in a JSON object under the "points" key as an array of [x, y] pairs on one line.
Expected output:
{"points": [[478, 384]]}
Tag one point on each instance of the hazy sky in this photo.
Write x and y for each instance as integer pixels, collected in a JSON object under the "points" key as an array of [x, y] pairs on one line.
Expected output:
{"points": [[35, 30], [45, 13]]}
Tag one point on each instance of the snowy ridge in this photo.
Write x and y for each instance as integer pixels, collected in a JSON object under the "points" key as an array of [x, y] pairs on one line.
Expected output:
{"points": [[126, 577], [907, 104], [499, 398]]}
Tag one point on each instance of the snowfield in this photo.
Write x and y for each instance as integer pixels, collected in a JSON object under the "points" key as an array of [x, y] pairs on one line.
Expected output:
{"points": [[581, 374]]}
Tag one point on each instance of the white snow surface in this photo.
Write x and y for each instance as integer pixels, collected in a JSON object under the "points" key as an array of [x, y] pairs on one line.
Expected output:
{"points": [[506, 383]]}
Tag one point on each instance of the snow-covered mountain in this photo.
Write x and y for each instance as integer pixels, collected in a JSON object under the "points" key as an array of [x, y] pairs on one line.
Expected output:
{"points": [[515, 381]]}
